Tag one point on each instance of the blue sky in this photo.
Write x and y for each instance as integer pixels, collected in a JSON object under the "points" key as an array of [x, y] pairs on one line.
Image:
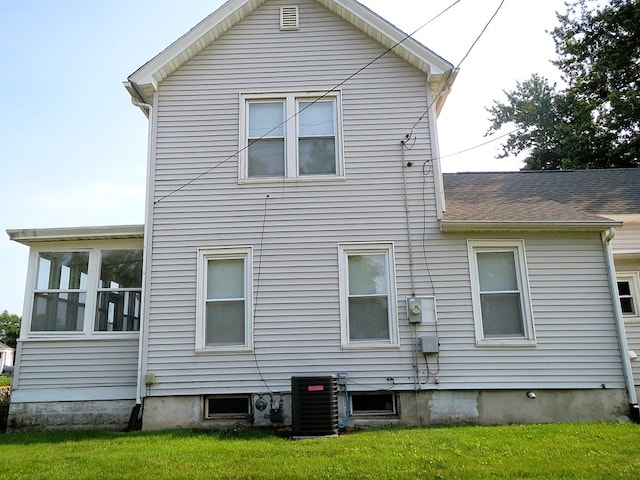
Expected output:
{"points": [[73, 148]]}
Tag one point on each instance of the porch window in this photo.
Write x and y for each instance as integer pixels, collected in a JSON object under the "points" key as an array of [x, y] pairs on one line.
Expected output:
{"points": [[119, 291], [61, 292]]}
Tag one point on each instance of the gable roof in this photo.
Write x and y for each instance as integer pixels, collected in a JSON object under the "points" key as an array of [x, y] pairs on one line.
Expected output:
{"points": [[579, 199], [143, 83]]}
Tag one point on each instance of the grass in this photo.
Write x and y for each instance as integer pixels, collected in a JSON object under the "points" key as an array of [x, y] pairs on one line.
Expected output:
{"points": [[555, 451]]}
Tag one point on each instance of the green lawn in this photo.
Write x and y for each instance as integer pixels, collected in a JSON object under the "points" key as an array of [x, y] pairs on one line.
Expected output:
{"points": [[557, 451]]}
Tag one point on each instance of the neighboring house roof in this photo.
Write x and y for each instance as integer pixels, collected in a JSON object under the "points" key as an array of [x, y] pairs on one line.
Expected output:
{"points": [[112, 232], [579, 199], [143, 83], [6, 348]]}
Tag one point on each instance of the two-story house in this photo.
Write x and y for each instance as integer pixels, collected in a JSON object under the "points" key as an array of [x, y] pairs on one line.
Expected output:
{"points": [[296, 228]]}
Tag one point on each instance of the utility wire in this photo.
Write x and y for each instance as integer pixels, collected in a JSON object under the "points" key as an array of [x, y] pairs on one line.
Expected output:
{"points": [[325, 94], [450, 72]]}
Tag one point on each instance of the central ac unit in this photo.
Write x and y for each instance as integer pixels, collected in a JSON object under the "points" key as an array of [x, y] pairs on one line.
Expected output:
{"points": [[314, 404]]}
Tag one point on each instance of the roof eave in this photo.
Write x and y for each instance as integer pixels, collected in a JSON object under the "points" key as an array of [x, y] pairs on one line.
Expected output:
{"points": [[468, 226], [112, 232], [144, 81]]}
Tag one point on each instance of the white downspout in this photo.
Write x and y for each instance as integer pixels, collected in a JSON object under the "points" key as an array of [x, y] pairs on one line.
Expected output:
{"points": [[607, 236], [145, 259]]}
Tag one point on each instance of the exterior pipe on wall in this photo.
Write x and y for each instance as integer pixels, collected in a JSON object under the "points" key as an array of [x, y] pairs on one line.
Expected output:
{"points": [[140, 382], [607, 236]]}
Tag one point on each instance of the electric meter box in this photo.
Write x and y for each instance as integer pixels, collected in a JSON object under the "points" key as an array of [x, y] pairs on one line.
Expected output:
{"points": [[421, 309]]}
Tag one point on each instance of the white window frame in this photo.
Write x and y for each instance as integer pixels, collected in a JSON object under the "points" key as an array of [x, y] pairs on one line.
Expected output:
{"points": [[230, 253], [291, 101], [633, 278], [91, 290], [119, 290], [344, 251], [517, 247]]}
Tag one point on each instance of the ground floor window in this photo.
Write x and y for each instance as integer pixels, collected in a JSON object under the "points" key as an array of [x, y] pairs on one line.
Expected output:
{"points": [[373, 404], [227, 406]]}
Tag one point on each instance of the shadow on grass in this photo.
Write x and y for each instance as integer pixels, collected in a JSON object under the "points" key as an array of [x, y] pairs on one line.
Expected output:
{"points": [[64, 436]]}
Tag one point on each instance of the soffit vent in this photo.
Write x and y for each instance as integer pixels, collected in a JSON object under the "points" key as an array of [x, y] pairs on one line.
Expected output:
{"points": [[289, 18]]}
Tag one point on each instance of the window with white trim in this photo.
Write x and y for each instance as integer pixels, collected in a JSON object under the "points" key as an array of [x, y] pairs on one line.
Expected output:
{"points": [[119, 291], [60, 295], [368, 295], [224, 316], [87, 290], [500, 290], [629, 293], [292, 136]]}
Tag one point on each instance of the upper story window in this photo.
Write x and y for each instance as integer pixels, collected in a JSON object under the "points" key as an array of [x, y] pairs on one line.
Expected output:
{"points": [[368, 295], [500, 288], [629, 293], [224, 315], [87, 290], [290, 136]]}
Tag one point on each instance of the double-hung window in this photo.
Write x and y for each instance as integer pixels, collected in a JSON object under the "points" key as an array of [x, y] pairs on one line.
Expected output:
{"points": [[60, 295], [500, 288], [224, 317], [368, 295], [629, 293], [290, 136]]}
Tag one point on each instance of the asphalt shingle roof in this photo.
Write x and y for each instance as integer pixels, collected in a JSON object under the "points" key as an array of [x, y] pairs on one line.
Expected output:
{"points": [[542, 196]]}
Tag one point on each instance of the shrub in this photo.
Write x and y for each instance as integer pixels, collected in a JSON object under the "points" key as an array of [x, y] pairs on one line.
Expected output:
{"points": [[5, 398]]}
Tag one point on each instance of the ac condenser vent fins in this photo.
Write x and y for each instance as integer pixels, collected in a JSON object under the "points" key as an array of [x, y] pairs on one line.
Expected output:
{"points": [[314, 406], [289, 18]]}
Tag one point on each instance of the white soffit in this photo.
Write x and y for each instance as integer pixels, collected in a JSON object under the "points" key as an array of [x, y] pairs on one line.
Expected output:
{"points": [[143, 83], [112, 232]]}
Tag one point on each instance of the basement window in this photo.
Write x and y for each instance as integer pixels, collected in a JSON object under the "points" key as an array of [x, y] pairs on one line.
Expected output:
{"points": [[373, 404], [227, 406]]}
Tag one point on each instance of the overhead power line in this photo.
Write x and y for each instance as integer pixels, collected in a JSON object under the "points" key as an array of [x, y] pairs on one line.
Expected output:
{"points": [[325, 94]]}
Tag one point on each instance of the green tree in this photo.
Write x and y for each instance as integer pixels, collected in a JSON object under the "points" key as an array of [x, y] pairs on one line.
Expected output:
{"points": [[594, 121], [9, 328]]}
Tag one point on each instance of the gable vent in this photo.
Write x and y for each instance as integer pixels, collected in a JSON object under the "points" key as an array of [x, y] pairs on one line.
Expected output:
{"points": [[289, 18]]}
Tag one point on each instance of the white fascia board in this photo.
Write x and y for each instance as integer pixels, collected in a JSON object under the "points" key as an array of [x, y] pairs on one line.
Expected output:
{"points": [[454, 226], [363, 18], [112, 232], [625, 218], [191, 43], [146, 78]]}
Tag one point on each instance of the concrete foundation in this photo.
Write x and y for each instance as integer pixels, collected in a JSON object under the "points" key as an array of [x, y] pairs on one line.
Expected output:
{"points": [[432, 408], [106, 414]]}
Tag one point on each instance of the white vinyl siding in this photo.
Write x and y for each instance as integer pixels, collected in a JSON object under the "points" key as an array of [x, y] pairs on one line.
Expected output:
{"points": [[368, 305], [501, 299], [224, 320], [295, 227], [628, 268], [76, 370], [290, 136]]}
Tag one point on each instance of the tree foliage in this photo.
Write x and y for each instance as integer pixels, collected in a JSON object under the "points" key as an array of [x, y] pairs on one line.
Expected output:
{"points": [[9, 328], [594, 121]]}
